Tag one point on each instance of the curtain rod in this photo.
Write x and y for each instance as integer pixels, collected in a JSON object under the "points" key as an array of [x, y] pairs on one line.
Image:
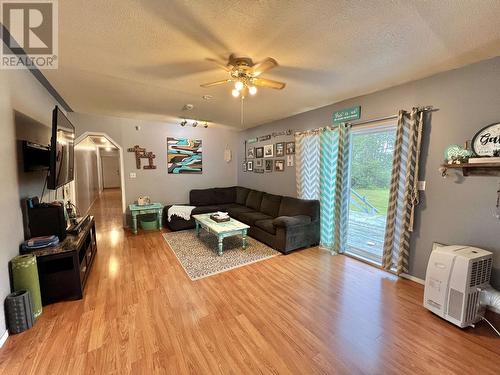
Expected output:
{"points": [[363, 122]]}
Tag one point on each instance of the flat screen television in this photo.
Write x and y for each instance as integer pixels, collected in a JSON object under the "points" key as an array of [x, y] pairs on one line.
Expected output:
{"points": [[61, 168]]}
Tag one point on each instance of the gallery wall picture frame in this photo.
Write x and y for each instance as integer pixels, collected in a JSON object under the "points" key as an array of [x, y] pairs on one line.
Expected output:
{"points": [[259, 152], [290, 148], [251, 153], [289, 160], [258, 170], [244, 166], [280, 149], [279, 165], [269, 165], [269, 151], [259, 163], [250, 166]]}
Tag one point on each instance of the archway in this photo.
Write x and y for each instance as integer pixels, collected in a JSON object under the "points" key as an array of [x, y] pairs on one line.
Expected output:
{"points": [[104, 136]]}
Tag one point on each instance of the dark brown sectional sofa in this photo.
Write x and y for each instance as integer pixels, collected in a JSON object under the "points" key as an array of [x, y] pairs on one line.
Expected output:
{"points": [[284, 223]]}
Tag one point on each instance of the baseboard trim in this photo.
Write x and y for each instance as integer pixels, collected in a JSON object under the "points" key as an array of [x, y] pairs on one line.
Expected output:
{"points": [[3, 339], [412, 278]]}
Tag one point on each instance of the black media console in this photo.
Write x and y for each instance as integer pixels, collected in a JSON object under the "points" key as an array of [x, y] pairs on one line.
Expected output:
{"points": [[64, 269]]}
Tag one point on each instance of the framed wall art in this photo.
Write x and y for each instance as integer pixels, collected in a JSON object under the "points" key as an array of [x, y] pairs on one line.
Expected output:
{"points": [[290, 148], [184, 156], [279, 165], [269, 151], [269, 165], [250, 153], [259, 163], [280, 149], [249, 166], [259, 152]]}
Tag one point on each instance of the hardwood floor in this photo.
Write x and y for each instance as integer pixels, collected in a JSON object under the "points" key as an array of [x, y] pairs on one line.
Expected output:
{"points": [[304, 313]]}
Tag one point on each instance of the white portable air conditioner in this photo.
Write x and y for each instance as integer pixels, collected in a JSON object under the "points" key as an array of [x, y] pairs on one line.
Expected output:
{"points": [[455, 276]]}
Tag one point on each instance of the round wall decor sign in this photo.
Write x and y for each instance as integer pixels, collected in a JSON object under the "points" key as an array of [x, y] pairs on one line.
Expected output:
{"points": [[486, 142]]}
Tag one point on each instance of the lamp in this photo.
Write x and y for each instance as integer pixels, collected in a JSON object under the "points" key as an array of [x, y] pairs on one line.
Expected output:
{"points": [[238, 85], [235, 93], [252, 90]]}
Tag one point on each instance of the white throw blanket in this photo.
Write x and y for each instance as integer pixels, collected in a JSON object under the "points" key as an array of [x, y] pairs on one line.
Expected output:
{"points": [[183, 212]]}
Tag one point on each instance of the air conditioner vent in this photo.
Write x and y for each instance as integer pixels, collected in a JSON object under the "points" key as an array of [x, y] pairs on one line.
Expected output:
{"points": [[472, 306], [480, 272]]}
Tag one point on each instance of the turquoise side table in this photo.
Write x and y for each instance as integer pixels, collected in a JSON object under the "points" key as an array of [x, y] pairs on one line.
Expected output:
{"points": [[153, 208]]}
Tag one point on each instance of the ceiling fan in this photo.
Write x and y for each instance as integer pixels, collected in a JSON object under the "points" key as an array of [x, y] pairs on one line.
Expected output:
{"points": [[246, 75]]}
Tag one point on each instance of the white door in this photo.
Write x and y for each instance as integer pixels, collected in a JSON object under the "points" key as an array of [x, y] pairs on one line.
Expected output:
{"points": [[110, 172]]}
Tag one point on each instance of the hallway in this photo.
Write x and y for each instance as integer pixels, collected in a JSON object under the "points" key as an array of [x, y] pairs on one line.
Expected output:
{"points": [[304, 313]]}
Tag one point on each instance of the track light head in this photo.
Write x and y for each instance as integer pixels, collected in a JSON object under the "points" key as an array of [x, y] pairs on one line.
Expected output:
{"points": [[184, 123], [195, 124], [205, 125]]}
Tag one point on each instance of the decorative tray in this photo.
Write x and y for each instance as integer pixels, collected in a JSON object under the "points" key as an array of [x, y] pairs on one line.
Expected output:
{"points": [[217, 220]]}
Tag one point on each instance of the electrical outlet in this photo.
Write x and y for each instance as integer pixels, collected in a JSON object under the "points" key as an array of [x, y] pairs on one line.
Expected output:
{"points": [[133, 175], [421, 185]]}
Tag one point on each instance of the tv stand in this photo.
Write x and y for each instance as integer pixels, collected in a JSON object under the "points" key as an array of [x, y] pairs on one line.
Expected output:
{"points": [[64, 269]]}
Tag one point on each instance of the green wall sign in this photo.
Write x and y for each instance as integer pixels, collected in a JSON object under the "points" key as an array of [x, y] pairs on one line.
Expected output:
{"points": [[347, 114]]}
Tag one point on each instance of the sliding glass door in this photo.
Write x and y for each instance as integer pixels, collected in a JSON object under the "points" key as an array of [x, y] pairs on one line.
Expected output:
{"points": [[371, 152]]}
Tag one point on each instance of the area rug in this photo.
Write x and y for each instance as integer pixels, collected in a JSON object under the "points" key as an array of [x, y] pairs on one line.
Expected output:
{"points": [[198, 255]]}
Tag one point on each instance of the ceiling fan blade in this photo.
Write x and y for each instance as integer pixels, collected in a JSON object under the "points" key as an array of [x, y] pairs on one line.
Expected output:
{"points": [[269, 83], [221, 65], [264, 66], [216, 83]]}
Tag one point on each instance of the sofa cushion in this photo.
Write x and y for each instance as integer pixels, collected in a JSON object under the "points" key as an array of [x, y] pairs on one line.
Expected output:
{"points": [[251, 217], [270, 204], [294, 206], [290, 221], [236, 210], [206, 209], [238, 215], [202, 197], [241, 195], [227, 206], [225, 195], [266, 225], [254, 199]]}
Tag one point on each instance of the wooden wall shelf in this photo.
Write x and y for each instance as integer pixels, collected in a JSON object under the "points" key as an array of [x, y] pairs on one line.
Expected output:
{"points": [[476, 169]]}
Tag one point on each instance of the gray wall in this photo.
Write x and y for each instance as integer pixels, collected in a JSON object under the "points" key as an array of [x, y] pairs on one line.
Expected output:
{"points": [[86, 177], [25, 109], [158, 184], [453, 210]]}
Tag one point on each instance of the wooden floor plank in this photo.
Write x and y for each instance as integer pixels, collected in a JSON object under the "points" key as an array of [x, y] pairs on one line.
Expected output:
{"points": [[304, 313]]}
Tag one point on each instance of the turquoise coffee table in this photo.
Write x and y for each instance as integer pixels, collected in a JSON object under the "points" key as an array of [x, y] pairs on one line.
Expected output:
{"points": [[221, 230], [153, 208]]}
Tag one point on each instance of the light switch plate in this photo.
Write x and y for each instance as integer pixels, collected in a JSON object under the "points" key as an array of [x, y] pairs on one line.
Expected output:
{"points": [[133, 175], [421, 185]]}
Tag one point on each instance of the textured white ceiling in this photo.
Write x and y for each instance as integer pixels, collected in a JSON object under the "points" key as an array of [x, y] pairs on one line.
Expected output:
{"points": [[146, 59]]}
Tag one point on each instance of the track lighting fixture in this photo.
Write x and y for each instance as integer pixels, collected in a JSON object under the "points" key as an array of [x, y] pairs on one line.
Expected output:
{"points": [[194, 123]]}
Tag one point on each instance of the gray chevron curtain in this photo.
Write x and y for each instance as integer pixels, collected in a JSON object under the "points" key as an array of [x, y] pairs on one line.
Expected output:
{"points": [[403, 196], [320, 171]]}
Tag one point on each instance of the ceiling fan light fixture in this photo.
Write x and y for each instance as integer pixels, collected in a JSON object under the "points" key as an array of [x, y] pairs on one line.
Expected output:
{"points": [[235, 93], [252, 90], [239, 85]]}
